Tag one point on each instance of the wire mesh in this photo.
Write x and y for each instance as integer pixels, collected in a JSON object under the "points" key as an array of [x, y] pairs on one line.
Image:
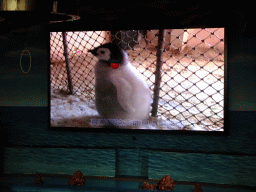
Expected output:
{"points": [[192, 73]]}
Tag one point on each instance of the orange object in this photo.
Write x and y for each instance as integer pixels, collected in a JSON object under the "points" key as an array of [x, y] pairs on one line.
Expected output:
{"points": [[77, 179], [147, 186], [166, 183]]}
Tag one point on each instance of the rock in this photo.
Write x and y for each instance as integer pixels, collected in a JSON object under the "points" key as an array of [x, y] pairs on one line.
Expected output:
{"points": [[166, 183], [147, 186], [77, 179]]}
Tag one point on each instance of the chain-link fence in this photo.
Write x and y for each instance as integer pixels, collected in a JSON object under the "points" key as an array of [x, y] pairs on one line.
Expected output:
{"points": [[183, 67]]}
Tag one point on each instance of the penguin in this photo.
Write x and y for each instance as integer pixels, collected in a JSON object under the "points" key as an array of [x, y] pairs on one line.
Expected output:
{"points": [[121, 92]]}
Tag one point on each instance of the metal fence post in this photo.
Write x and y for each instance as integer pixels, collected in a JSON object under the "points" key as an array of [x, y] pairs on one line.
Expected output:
{"points": [[157, 73], [67, 59]]}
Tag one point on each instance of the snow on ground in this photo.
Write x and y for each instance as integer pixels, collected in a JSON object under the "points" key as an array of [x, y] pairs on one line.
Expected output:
{"points": [[72, 111]]}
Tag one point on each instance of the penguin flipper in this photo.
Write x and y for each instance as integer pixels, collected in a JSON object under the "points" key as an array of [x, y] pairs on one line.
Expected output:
{"points": [[124, 93]]}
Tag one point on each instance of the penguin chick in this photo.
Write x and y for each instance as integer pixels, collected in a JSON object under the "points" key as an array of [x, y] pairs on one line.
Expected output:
{"points": [[121, 93]]}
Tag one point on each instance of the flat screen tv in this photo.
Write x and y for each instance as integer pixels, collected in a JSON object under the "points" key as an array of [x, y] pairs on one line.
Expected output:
{"points": [[154, 80]]}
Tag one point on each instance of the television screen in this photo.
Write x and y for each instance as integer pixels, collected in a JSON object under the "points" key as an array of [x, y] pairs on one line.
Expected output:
{"points": [[161, 79]]}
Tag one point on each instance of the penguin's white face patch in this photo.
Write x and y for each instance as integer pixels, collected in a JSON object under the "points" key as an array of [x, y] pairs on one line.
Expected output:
{"points": [[103, 54]]}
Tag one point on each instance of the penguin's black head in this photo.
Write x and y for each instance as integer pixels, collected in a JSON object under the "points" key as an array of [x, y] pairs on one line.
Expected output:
{"points": [[110, 52]]}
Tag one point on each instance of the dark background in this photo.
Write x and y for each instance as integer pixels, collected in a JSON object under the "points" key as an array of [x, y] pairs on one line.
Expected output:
{"points": [[30, 147]]}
